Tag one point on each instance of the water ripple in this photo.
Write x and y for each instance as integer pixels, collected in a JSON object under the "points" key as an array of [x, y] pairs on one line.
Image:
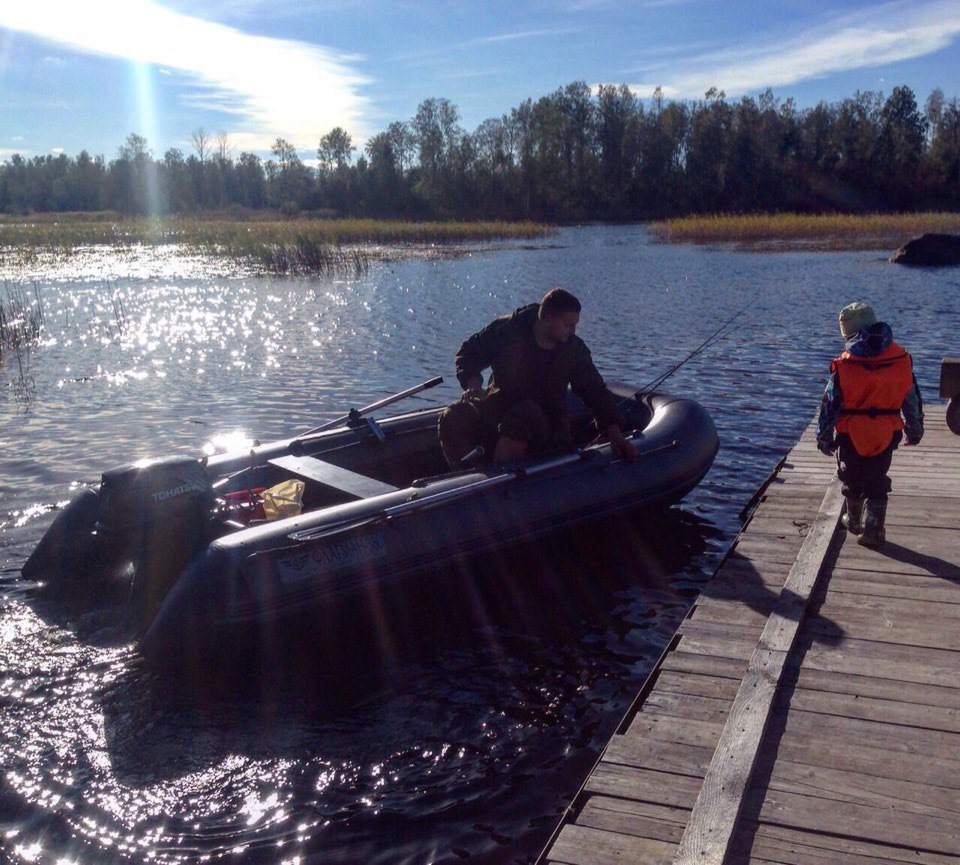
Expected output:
{"points": [[462, 726]]}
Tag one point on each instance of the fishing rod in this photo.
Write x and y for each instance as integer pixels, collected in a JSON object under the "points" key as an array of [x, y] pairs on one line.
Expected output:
{"points": [[710, 341]]}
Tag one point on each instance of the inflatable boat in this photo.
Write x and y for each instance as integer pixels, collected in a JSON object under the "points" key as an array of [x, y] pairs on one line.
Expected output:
{"points": [[377, 505]]}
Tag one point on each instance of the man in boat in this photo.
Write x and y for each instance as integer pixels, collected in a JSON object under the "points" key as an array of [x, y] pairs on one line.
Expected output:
{"points": [[534, 354], [870, 403]]}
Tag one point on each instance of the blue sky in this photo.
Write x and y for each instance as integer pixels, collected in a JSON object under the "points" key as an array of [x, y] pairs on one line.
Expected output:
{"points": [[84, 73]]}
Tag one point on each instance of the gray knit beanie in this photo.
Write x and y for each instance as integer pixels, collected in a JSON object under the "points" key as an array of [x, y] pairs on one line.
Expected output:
{"points": [[854, 317]]}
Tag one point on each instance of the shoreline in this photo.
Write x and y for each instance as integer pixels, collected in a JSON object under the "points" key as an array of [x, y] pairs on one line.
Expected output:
{"points": [[791, 232], [302, 245], [281, 246]]}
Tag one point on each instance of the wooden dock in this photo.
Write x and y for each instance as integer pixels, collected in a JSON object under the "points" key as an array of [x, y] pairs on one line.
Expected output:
{"points": [[808, 708]]}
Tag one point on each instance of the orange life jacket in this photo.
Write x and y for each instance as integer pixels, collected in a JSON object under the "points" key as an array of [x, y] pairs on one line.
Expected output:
{"points": [[873, 390]]}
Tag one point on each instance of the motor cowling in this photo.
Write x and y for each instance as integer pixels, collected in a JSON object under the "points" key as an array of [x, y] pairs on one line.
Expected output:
{"points": [[158, 514], [147, 495]]}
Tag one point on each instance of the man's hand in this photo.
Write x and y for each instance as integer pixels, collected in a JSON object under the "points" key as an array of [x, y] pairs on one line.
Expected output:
{"points": [[474, 388], [626, 450]]}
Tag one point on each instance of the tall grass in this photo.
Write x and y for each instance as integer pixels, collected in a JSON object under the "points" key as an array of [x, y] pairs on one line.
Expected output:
{"points": [[300, 255], [277, 245], [828, 231], [20, 322]]}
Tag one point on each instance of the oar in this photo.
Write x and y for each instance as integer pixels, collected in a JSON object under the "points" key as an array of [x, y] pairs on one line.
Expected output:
{"points": [[418, 503], [356, 413], [511, 475]]}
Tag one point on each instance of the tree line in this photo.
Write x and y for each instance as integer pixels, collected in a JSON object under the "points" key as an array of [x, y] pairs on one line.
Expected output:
{"points": [[575, 154]]}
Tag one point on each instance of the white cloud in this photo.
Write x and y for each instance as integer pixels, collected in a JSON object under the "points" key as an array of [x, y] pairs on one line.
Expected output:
{"points": [[525, 34], [598, 5], [671, 49], [273, 87], [646, 91], [882, 35]]}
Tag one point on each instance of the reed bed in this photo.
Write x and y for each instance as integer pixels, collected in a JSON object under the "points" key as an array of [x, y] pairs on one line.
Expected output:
{"points": [[20, 320], [794, 230], [341, 246], [299, 256], [360, 231], [278, 245]]}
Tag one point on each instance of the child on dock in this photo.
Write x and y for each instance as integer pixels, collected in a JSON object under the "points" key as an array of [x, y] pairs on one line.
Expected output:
{"points": [[871, 400]]}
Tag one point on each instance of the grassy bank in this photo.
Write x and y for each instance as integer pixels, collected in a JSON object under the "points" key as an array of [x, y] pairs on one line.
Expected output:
{"points": [[885, 231], [276, 245]]}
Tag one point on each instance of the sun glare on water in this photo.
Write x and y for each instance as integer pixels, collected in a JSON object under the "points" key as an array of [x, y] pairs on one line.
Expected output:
{"points": [[229, 442]]}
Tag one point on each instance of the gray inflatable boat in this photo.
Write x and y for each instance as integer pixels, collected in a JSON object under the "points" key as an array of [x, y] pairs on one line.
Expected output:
{"points": [[378, 506]]}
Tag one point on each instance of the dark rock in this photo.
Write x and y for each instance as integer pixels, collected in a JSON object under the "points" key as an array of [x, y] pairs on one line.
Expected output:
{"points": [[930, 249]]}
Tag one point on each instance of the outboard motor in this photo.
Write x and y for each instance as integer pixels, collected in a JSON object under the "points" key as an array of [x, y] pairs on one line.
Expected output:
{"points": [[152, 514], [69, 556], [158, 515]]}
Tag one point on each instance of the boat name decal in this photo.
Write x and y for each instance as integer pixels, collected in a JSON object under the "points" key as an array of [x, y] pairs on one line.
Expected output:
{"points": [[309, 563]]}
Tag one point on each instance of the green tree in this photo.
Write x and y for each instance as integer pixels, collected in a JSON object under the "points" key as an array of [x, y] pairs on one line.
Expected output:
{"points": [[87, 179], [403, 144], [903, 135], [705, 164], [436, 134], [495, 171], [251, 181], [335, 149], [385, 179], [945, 155], [660, 180], [857, 170], [178, 191], [618, 119], [291, 181], [134, 177]]}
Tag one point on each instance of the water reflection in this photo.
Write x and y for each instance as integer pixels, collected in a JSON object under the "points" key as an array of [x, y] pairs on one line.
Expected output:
{"points": [[460, 718], [236, 440], [393, 715]]}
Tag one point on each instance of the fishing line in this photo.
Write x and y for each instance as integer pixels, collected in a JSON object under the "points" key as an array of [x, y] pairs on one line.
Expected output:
{"points": [[709, 342]]}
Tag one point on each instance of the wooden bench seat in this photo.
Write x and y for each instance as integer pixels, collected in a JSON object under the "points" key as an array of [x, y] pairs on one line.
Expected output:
{"points": [[353, 484]]}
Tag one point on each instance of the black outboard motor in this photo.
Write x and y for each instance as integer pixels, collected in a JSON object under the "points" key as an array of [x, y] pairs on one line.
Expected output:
{"points": [[158, 514], [69, 556], [153, 514]]}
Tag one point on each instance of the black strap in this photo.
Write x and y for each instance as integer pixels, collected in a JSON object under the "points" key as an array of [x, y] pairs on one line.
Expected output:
{"points": [[873, 411]]}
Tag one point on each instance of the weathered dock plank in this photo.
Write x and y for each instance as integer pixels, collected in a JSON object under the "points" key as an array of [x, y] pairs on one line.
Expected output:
{"points": [[800, 730], [879, 688]]}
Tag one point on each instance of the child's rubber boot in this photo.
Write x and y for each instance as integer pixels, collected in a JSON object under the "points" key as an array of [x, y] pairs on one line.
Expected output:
{"points": [[852, 515], [872, 533]]}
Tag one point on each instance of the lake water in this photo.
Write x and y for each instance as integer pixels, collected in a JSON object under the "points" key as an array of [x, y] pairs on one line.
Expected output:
{"points": [[460, 732]]}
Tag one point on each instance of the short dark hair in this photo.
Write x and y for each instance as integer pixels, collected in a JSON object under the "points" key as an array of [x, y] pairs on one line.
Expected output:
{"points": [[558, 301]]}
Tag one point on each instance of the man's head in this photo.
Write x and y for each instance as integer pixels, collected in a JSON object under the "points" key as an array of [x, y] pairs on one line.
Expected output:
{"points": [[559, 314], [854, 317]]}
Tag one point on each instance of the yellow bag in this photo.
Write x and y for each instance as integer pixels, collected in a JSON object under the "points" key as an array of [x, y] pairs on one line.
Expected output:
{"points": [[283, 500]]}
